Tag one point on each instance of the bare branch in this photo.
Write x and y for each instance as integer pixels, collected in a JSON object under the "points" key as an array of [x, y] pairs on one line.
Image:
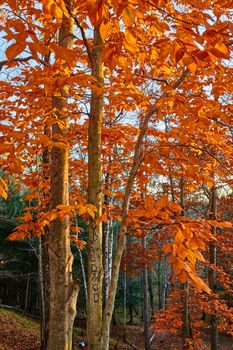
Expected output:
{"points": [[20, 59]]}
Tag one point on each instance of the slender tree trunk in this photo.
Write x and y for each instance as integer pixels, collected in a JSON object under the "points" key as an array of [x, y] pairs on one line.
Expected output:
{"points": [[151, 292], [187, 330], [43, 254], [212, 272], [44, 289], [130, 305], [82, 267], [27, 294], [95, 267], [145, 301], [125, 293], [106, 250], [105, 259], [84, 274], [63, 290], [110, 252], [44, 274], [159, 285]]}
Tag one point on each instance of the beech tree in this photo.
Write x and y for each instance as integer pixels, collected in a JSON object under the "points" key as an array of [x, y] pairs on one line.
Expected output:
{"points": [[102, 55]]}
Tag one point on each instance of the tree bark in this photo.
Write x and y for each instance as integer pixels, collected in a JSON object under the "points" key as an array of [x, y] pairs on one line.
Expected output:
{"points": [[212, 272], [95, 266], [44, 280], [151, 292], [187, 330], [63, 290], [95, 231], [106, 246], [145, 302], [44, 274]]}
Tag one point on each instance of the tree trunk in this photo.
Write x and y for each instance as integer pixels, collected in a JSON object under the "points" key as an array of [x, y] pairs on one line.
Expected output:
{"points": [[106, 247], [130, 305], [212, 272], [145, 302], [44, 278], [95, 266], [27, 294], [125, 293], [159, 285], [63, 290], [151, 292], [44, 274], [82, 268], [187, 330]]}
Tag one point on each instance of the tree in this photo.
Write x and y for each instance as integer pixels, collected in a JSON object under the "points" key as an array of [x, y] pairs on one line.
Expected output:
{"points": [[115, 49]]}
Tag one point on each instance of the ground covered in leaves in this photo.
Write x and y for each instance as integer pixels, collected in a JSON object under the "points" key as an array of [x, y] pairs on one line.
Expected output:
{"points": [[18, 332]]}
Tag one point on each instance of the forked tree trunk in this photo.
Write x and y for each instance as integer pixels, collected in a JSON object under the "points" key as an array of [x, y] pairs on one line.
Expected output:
{"points": [[108, 310], [212, 272], [95, 266], [63, 290], [98, 338]]}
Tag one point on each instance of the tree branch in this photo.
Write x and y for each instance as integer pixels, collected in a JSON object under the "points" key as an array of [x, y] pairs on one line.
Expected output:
{"points": [[126, 201], [23, 59], [90, 56]]}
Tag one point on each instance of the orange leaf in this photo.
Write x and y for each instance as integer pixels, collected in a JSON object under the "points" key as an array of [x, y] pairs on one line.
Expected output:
{"points": [[220, 50], [179, 236], [130, 42], [192, 67], [3, 188], [179, 54], [91, 212], [15, 49], [128, 16], [174, 206]]}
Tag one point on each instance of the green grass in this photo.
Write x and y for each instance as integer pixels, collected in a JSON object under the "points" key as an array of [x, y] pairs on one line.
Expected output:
{"points": [[78, 332], [113, 341]]}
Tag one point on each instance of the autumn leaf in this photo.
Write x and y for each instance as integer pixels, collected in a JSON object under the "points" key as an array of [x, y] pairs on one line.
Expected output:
{"points": [[192, 67], [108, 192], [179, 237], [130, 42], [128, 16], [174, 207], [63, 53], [179, 54], [220, 50], [104, 30], [15, 49], [3, 188], [91, 212]]}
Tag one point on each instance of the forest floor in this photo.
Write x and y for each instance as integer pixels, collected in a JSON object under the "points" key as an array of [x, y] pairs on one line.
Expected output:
{"points": [[18, 332]]}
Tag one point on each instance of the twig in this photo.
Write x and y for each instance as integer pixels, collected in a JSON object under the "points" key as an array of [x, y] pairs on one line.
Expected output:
{"points": [[20, 59]]}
